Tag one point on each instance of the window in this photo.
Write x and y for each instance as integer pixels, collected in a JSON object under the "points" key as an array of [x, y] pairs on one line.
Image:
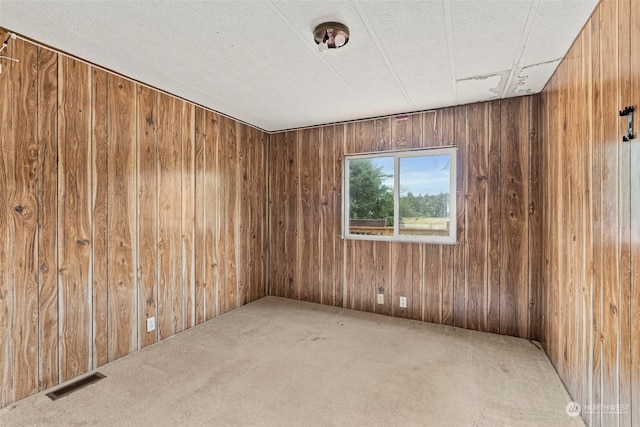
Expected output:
{"points": [[401, 196]]}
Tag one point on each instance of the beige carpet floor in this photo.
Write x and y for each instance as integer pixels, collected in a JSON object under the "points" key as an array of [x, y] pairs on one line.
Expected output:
{"points": [[278, 362]]}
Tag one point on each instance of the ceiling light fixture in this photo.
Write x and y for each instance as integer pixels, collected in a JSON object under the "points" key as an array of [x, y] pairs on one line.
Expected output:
{"points": [[331, 35]]}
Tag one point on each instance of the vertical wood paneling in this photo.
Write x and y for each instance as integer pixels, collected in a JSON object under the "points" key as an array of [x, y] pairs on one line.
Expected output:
{"points": [[291, 284], [309, 209], [263, 223], [80, 181], [147, 212], [212, 250], [381, 268], [47, 217], [74, 217], [449, 284], [277, 228], [199, 214], [433, 266], [635, 221], [7, 285], [402, 278], [515, 179], [99, 139], [596, 212], [327, 225], [535, 201], [228, 218], [494, 219], [588, 223], [188, 215], [121, 190], [586, 127], [169, 216], [245, 148], [460, 249], [445, 129], [476, 209], [624, 207], [339, 291], [610, 214], [18, 224]]}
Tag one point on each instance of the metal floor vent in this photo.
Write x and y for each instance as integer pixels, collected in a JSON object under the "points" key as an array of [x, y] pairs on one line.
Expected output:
{"points": [[74, 386]]}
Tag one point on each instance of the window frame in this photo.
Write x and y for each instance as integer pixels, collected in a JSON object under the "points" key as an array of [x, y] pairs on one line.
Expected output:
{"points": [[450, 239]]}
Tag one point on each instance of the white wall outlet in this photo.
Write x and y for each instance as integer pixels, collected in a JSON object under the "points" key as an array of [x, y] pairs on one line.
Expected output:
{"points": [[403, 302], [380, 298], [151, 324]]}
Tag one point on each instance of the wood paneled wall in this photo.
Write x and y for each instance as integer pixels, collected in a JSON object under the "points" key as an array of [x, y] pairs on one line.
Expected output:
{"points": [[117, 203], [488, 282], [591, 218]]}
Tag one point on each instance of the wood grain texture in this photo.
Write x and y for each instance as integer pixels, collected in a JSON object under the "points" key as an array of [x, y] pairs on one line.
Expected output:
{"points": [[339, 288], [80, 190], [445, 135], [442, 283], [188, 215], [211, 249], [611, 214], [199, 214], [624, 207], [635, 222], [147, 152], [99, 147], [47, 218], [18, 223], [590, 328], [291, 286], [515, 176], [277, 228], [74, 218], [229, 213], [328, 221], [122, 298], [535, 201], [460, 250], [494, 218], [6, 254], [476, 209], [170, 292]]}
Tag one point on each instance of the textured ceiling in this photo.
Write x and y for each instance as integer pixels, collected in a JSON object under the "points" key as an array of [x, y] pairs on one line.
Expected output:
{"points": [[257, 61]]}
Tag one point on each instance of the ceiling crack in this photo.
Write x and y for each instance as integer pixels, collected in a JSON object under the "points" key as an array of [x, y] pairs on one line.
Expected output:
{"points": [[524, 38]]}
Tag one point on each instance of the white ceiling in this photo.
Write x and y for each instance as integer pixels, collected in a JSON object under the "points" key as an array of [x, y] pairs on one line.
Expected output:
{"points": [[256, 60]]}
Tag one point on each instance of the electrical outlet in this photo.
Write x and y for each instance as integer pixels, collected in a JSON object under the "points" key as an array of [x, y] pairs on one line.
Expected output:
{"points": [[151, 324], [403, 302], [380, 298]]}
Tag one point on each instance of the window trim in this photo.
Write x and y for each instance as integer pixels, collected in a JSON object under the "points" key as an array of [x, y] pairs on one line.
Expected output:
{"points": [[450, 239]]}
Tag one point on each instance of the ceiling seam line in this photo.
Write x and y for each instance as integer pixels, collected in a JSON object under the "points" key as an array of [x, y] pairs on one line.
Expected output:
{"points": [[383, 53], [446, 6], [533, 12]]}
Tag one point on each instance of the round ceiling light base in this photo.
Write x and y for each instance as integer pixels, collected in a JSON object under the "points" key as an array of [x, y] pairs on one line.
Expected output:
{"points": [[331, 35]]}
